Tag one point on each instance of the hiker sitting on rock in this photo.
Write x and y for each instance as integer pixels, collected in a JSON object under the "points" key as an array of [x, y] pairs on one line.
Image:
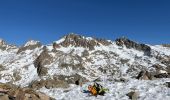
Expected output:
{"points": [[97, 89]]}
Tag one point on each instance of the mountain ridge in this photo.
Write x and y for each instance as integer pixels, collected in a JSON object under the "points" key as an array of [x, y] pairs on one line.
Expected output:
{"points": [[74, 57]]}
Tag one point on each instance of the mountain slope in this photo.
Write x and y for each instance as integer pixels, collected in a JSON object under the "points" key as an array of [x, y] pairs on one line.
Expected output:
{"points": [[55, 68]]}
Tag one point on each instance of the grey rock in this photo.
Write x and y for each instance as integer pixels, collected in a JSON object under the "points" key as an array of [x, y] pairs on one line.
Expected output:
{"points": [[30, 47], [79, 41], [133, 95], [43, 59], [131, 44]]}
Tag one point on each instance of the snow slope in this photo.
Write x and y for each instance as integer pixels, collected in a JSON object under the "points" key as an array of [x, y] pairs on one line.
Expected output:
{"points": [[108, 62]]}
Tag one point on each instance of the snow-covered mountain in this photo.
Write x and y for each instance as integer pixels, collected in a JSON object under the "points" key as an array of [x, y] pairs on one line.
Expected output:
{"points": [[54, 68]]}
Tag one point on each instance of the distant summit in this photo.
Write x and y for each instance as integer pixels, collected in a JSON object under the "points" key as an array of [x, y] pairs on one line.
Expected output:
{"points": [[131, 44], [5, 46], [2, 42], [81, 41]]}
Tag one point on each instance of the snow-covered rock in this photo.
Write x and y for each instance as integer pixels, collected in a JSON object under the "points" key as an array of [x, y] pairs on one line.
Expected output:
{"points": [[75, 57]]}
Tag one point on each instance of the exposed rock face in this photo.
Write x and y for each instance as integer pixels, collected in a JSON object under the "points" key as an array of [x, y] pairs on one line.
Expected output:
{"points": [[2, 67], [80, 41], [43, 59], [166, 45], [85, 53], [68, 61], [167, 84], [11, 92], [2, 42], [5, 46], [58, 81], [166, 60], [49, 83], [162, 75], [73, 66], [133, 95], [103, 42], [55, 45], [70, 79], [30, 45], [144, 75], [161, 71], [131, 44], [16, 76]]}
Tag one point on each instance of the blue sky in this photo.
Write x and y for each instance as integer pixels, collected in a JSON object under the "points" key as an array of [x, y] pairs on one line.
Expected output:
{"points": [[146, 21]]}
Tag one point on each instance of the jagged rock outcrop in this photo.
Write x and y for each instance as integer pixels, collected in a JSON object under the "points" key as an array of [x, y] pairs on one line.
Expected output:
{"points": [[144, 75], [71, 61], [43, 59], [58, 81], [13, 92], [162, 75], [30, 45], [80, 41], [166, 60], [131, 44], [166, 45], [85, 53], [159, 69], [55, 45], [167, 84], [2, 42], [70, 79], [49, 83], [133, 95], [2, 67], [73, 66], [5, 46]]}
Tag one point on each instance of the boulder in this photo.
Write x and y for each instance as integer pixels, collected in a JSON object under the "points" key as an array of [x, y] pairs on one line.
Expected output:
{"points": [[43, 59], [133, 95], [144, 75], [9, 92]]}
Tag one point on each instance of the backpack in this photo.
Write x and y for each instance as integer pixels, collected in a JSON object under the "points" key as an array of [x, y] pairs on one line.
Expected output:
{"points": [[99, 88]]}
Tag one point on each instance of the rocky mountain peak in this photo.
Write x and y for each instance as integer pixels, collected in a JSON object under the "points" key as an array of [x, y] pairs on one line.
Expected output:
{"points": [[30, 45], [2, 42], [81, 41], [5, 46], [131, 44], [31, 42]]}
